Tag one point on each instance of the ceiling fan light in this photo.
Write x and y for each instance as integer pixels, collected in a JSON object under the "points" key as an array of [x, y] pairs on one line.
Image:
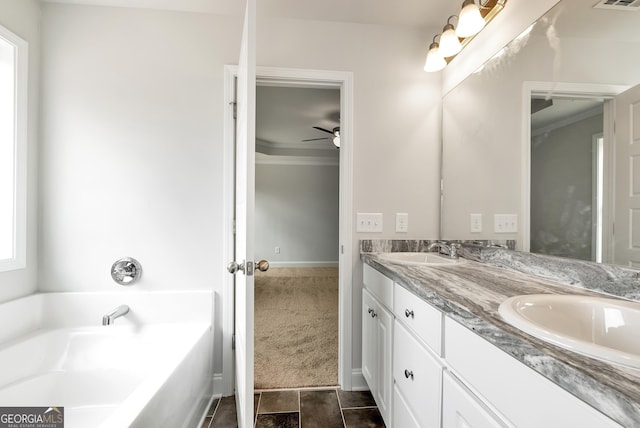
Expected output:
{"points": [[470, 21], [449, 43], [435, 61], [336, 138]]}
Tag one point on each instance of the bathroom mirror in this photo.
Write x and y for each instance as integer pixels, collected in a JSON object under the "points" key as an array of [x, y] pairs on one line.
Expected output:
{"points": [[576, 51]]}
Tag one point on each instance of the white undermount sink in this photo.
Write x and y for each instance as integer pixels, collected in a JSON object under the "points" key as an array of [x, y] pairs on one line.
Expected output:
{"points": [[425, 259], [599, 327]]}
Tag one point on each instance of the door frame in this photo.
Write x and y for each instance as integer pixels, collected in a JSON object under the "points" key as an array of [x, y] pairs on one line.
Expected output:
{"points": [[292, 77], [589, 90]]}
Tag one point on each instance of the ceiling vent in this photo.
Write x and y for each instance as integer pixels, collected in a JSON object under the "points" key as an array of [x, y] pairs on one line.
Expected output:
{"points": [[630, 5]]}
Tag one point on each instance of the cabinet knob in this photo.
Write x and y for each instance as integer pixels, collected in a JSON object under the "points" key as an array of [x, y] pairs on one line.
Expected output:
{"points": [[408, 313], [408, 374], [372, 313]]}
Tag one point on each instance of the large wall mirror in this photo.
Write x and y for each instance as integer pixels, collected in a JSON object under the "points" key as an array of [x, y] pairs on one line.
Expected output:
{"points": [[532, 134]]}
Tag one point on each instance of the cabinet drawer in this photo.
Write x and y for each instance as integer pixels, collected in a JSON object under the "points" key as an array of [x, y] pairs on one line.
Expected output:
{"points": [[421, 318], [379, 285], [418, 376], [462, 409], [512, 388]]}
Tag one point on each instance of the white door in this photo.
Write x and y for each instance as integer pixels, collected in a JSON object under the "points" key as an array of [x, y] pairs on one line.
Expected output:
{"points": [[627, 194], [244, 197]]}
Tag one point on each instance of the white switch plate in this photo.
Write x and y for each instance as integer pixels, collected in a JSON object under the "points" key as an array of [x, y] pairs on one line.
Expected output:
{"points": [[402, 222], [475, 223], [505, 223], [369, 222]]}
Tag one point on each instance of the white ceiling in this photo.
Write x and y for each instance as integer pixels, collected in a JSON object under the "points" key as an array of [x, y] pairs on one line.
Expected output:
{"points": [[286, 115], [416, 13]]}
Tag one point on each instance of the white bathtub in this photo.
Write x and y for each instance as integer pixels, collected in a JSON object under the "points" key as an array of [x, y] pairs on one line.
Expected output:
{"points": [[152, 368]]}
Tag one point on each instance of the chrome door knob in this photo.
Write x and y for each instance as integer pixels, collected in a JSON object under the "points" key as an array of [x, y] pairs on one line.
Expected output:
{"points": [[234, 267]]}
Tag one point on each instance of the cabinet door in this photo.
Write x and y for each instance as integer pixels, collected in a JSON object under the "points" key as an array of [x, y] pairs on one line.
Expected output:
{"points": [[385, 352], [377, 333], [461, 409], [369, 341]]}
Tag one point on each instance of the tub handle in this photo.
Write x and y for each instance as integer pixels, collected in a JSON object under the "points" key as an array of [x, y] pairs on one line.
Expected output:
{"points": [[126, 271]]}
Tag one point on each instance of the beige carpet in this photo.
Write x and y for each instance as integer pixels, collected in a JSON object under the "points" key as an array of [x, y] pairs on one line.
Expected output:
{"points": [[296, 327]]}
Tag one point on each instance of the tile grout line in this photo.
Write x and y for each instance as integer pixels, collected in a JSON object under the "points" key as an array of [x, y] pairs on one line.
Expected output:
{"points": [[359, 407], [255, 418], [344, 423], [213, 414]]}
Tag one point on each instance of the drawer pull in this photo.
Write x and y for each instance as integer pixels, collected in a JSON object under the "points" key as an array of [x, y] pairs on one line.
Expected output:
{"points": [[408, 313], [408, 374], [372, 313]]}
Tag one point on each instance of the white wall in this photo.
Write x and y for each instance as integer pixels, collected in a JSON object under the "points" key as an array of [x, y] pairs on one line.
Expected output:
{"points": [[133, 127], [22, 17], [297, 211]]}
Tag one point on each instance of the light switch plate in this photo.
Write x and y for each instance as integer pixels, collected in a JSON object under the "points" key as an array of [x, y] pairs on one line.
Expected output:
{"points": [[402, 222], [505, 223], [475, 223], [369, 222]]}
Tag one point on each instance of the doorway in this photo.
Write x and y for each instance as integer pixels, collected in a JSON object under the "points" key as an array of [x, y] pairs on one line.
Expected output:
{"points": [[341, 81], [297, 229]]}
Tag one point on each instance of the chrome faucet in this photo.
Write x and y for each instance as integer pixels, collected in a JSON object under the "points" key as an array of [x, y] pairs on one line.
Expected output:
{"points": [[451, 249], [118, 312]]}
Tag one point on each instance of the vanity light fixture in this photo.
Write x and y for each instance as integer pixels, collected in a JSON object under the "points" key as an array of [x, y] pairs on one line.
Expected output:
{"points": [[472, 19], [435, 61], [449, 42]]}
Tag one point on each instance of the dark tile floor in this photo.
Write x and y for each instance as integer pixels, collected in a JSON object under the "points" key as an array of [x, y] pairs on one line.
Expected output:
{"points": [[327, 408]]}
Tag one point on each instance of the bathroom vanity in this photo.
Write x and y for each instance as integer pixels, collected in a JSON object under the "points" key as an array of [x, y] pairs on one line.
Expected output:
{"points": [[436, 352]]}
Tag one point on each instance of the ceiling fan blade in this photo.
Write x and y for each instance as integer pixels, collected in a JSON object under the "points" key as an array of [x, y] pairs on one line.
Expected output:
{"points": [[322, 129], [316, 139]]}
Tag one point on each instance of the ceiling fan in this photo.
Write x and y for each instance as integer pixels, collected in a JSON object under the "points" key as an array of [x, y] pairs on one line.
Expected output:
{"points": [[335, 132]]}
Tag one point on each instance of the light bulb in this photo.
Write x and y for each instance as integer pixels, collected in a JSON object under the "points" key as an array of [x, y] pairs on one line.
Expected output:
{"points": [[470, 21], [449, 43], [435, 61]]}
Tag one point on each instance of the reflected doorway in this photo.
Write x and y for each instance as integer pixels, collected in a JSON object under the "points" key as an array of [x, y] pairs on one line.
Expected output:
{"points": [[568, 151]]}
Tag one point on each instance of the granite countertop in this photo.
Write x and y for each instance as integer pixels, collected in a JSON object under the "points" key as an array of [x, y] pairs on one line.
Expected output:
{"points": [[471, 292]]}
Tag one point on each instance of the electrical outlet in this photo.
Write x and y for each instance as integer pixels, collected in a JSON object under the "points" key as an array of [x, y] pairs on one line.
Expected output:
{"points": [[402, 222], [475, 223], [369, 222], [277, 250]]}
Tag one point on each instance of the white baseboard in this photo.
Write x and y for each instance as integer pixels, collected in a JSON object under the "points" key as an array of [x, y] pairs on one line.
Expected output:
{"points": [[358, 383], [303, 264]]}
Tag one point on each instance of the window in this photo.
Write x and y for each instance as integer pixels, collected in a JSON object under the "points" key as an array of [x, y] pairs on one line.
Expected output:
{"points": [[13, 141]]}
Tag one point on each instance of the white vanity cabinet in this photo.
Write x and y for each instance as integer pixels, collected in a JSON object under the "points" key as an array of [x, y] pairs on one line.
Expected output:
{"points": [[377, 335], [426, 370]]}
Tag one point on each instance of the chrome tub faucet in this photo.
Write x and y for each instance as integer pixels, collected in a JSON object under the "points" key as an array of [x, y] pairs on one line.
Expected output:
{"points": [[118, 312]]}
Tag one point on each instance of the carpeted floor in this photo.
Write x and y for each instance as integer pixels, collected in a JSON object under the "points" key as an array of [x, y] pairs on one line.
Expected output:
{"points": [[296, 328]]}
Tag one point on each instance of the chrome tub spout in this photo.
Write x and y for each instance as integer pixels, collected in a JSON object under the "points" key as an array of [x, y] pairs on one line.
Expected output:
{"points": [[118, 312]]}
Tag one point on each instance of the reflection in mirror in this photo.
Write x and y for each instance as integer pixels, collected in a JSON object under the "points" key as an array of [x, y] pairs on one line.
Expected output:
{"points": [[567, 155], [499, 159]]}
